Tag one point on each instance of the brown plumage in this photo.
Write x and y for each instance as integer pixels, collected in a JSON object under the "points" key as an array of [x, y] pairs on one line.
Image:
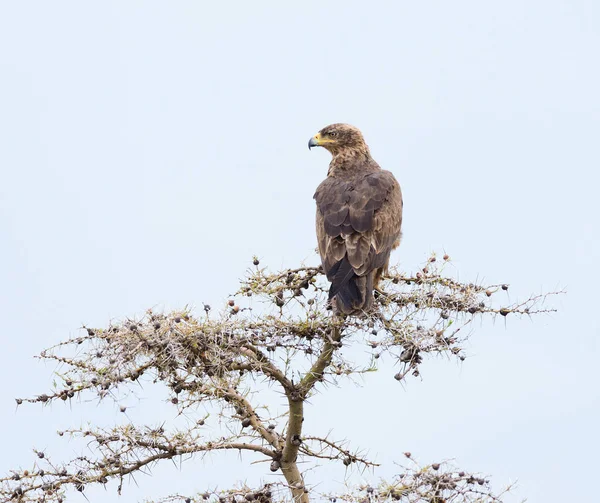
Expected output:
{"points": [[359, 216]]}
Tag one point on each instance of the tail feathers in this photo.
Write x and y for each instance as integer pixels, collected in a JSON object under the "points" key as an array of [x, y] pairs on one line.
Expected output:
{"points": [[347, 287], [340, 275]]}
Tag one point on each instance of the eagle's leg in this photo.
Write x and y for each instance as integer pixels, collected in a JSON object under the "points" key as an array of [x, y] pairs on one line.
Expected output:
{"points": [[378, 274]]}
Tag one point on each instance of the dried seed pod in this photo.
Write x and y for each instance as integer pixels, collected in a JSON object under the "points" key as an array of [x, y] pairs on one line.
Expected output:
{"points": [[279, 299]]}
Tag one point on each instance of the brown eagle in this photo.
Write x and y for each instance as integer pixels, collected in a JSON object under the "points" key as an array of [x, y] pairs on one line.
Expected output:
{"points": [[359, 216]]}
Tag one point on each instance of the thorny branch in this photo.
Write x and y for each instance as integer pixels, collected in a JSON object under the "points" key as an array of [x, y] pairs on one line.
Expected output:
{"points": [[276, 327]]}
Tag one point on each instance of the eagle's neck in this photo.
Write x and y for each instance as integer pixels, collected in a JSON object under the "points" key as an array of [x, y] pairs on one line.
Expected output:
{"points": [[350, 160]]}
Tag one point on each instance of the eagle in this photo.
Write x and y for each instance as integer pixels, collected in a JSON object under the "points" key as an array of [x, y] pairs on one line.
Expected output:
{"points": [[359, 218]]}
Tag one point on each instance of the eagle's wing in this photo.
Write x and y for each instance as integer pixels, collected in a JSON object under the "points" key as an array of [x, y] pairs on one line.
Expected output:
{"points": [[360, 217]]}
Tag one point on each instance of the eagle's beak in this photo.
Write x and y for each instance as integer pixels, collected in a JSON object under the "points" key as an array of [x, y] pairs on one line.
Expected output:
{"points": [[314, 141]]}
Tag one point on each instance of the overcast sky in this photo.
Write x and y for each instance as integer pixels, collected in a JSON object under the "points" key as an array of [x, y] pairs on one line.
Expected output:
{"points": [[149, 149]]}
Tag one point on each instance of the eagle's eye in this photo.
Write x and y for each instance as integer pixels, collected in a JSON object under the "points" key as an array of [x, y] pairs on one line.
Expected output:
{"points": [[333, 134]]}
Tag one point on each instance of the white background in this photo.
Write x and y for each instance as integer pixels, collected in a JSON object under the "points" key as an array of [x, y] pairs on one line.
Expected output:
{"points": [[149, 149]]}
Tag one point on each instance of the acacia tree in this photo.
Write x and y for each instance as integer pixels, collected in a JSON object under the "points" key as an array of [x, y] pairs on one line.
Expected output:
{"points": [[278, 327]]}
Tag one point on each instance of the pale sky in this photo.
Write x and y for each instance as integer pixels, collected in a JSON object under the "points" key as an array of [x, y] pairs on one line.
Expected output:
{"points": [[149, 149]]}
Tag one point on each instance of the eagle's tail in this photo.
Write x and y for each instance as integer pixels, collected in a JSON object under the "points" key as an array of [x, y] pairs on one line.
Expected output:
{"points": [[352, 292]]}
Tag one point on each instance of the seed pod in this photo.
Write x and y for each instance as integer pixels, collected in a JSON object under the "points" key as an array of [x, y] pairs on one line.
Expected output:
{"points": [[279, 299], [408, 354]]}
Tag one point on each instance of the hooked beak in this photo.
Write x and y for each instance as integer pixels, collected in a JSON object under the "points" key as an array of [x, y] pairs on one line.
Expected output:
{"points": [[314, 141]]}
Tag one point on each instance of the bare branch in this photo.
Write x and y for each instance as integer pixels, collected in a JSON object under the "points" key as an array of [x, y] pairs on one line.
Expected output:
{"points": [[277, 330]]}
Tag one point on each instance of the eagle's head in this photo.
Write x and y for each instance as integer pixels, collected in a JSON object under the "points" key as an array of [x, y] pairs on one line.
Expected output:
{"points": [[338, 138]]}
